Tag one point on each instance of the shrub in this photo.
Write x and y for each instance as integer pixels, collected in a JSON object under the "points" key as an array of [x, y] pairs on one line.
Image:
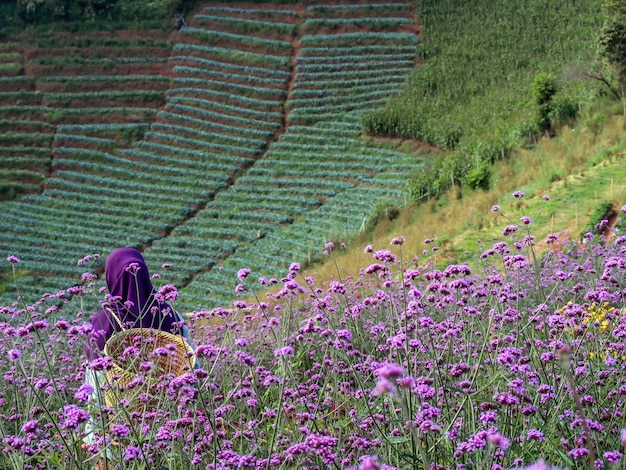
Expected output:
{"points": [[479, 177]]}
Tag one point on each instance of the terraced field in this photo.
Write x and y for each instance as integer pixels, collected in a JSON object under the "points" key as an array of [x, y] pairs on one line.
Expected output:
{"points": [[232, 143]]}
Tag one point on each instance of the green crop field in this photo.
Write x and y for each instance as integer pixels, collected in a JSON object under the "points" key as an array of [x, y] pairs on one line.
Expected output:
{"points": [[237, 141]]}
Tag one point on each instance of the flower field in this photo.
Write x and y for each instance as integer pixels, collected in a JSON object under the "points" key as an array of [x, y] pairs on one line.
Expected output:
{"points": [[228, 137], [518, 362]]}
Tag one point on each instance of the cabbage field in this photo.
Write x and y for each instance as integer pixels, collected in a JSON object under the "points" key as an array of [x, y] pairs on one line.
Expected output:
{"points": [[234, 140]]}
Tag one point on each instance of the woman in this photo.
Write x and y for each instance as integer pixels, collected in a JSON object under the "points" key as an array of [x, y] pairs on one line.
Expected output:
{"points": [[132, 300]]}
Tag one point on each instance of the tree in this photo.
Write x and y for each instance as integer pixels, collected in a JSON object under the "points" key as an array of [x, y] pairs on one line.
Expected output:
{"points": [[544, 89], [612, 50]]}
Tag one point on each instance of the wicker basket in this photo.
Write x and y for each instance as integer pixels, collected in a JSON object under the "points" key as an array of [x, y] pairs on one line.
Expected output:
{"points": [[169, 355]]}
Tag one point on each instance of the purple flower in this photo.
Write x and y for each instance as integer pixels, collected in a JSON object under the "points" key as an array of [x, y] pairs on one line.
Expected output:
{"points": [[372, 268], [525, 219], [368, 462], [495, 208], [344, 334], [14, 355], [13, 259], [545, 197], [243, 273], [612, 457], [83, 392], [534, 435], [578, 452], [131, 453], [398, 240], [540, 465], [166, 293], [498, 440], [72, 417], [120, 430], [101, 363], [385, 256], [389, 371], [384, 386], [368, 249], [30, 426], [622, 436], [509, 229], [295, 267], [518, 194], [284, 351]]}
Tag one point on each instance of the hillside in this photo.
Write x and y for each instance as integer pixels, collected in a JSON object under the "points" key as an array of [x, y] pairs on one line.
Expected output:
{"points": [[234, 141]]}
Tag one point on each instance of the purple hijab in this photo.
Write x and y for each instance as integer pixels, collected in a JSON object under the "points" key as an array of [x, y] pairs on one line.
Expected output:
{"points": [[132, 294]]}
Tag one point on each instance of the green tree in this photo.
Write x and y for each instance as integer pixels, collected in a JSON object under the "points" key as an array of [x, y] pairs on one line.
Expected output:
{"points": [[544, 89], [612, 50]]}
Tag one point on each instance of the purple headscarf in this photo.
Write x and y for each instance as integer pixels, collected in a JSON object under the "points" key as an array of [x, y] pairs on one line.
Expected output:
{"points": [[132, 292]]}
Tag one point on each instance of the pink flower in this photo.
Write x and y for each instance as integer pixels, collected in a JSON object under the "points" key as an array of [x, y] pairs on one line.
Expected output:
{"points": [[13, 259], [243, 273], [14, 355]]}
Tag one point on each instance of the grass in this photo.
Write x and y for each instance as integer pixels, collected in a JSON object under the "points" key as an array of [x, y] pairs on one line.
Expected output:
{"points": [[578, 168]]}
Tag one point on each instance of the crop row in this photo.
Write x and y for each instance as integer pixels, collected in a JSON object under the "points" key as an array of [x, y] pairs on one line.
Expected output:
{"points": [[101, 127], [79, 59], [320, 87], [188, 177], [359, 6], [307, 59], [351, 38], [244, 39], [161, 190], [250, 197], [233, 54], [191, 153], [368, 21], [146, 95], [200, 144], [45, 207], [331, 112], [106, 78], [336, 131], [98, 233], [331, 51], [316, 97], [356, 66], [229, 76], [178, 164], [213, 125], [341, 169], [233, 19], [339, 74], [184, 162], [36, 126], [261, 104], [209, 136], [274, 115], [253, 90], [334, 146], [212, 115], [84, 139], [245, 69], [251, 11]]}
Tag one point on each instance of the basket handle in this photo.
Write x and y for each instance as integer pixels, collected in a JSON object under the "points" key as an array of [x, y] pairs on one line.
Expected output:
{"points": [[117, 319]]}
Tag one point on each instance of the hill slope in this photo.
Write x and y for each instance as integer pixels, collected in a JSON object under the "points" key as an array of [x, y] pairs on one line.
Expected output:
{"points": [[246, 141]]}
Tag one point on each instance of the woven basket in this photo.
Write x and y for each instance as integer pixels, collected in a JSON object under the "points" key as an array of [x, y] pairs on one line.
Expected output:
{"points": [[169, 354]]}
